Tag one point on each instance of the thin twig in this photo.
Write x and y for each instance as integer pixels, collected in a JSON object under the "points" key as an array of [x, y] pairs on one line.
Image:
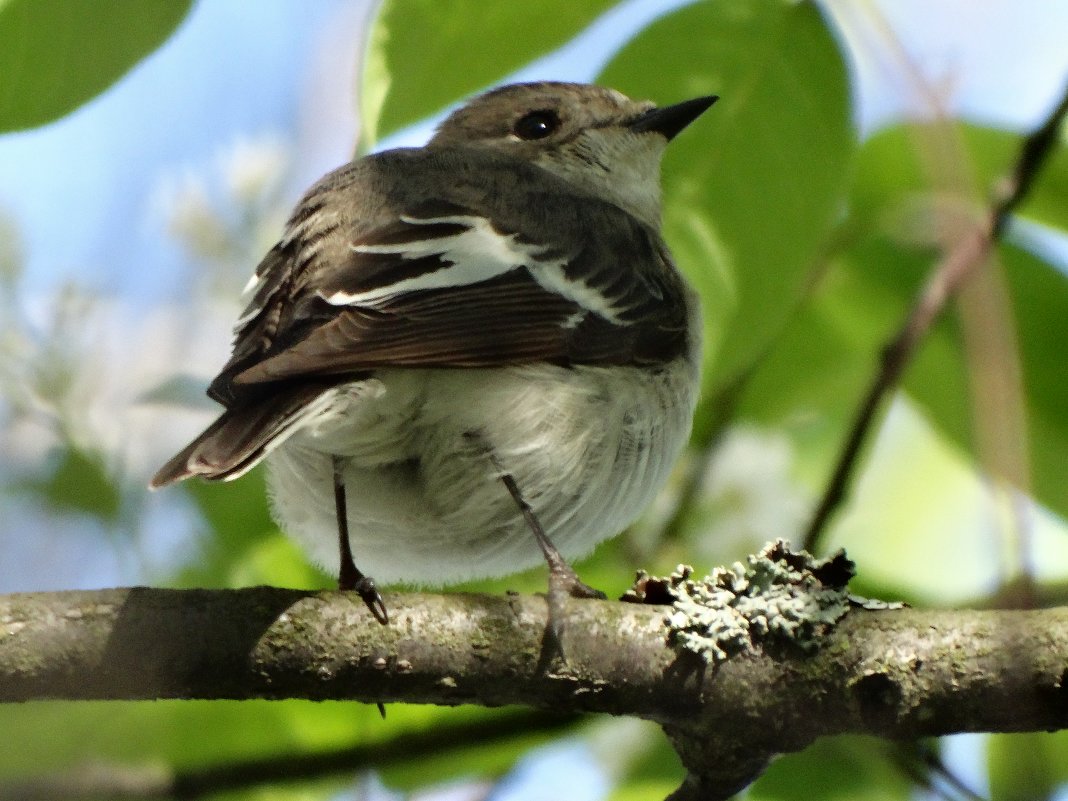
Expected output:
{"points": [[937, 766], [924, 765], [942, 284]]}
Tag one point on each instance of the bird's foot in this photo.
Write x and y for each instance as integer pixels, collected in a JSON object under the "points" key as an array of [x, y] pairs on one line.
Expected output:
{"points": [[352, 580], [564, 583]]}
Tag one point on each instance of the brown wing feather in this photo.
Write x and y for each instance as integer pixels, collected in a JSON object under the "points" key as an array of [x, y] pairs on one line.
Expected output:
{"points": [[240, 437], [291, 344], [291, 331], [507, 320]]}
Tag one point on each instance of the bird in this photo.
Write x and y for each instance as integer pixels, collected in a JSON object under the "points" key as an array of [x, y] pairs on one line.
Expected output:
{"points": [[465, 358]]}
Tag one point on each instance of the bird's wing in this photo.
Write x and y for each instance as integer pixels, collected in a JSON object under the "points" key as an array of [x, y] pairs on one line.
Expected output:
{"points": [[466, 279]]}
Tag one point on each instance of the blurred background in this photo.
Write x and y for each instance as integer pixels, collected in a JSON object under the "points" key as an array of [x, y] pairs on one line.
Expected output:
{"points": [[852, 141]]}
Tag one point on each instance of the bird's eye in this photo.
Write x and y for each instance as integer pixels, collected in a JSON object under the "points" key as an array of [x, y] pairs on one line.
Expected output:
{"points": [[536, 125]]}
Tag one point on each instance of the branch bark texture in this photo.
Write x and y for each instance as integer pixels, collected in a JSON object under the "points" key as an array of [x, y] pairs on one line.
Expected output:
{"points": [[902, 673]]}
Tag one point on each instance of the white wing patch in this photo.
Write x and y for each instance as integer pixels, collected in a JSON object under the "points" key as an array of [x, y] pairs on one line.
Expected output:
{"points": [[251, 287], [253, 283], [476, 254], [552, 277]]}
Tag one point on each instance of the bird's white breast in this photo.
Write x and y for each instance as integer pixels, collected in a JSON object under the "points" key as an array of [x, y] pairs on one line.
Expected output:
{"points": [[588, 446]]}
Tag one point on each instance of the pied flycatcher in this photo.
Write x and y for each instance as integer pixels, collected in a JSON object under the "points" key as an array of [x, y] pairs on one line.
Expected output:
{"points": [[468, 355]]}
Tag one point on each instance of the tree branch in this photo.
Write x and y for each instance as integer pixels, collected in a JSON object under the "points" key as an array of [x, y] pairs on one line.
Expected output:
{"points": [[944, 281], [902, 674]]}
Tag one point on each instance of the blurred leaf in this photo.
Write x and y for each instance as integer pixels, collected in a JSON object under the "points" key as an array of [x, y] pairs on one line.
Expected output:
{"points": [[238, 523], [1048, 201], [644, 789], [1027, 767], [330, 788], [487, 758], [827, 356], [234, 509], [425, 54], [656, 774], [846, 767], [1039, 298], [902, 159], [198, 734], [79, 483], [182, 733], [820, 367], [894, 165], [938, 378], [753, 187], [56, 55], [814, 376], [276, 560], [918, 522], [922, 508]]}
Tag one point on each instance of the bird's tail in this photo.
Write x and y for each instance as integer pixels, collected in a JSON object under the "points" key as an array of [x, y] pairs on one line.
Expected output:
{"points": [[240, 438]]}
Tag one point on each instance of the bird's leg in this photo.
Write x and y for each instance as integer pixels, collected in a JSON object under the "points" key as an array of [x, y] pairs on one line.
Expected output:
{"points": [[563, 580], [349, 576], [560, 572]]}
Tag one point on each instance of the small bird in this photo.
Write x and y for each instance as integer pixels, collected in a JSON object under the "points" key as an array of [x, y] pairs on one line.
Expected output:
{"points": [[464, 358]]}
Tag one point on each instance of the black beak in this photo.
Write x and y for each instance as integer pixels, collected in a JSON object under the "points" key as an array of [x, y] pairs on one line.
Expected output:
{"points": [[670, 120]]}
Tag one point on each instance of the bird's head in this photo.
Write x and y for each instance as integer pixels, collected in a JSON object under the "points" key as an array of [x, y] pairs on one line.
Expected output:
{"points": [[592, 137]]}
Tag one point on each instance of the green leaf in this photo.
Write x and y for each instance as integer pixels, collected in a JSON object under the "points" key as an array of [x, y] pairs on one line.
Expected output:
{"points": [[424, 54], [644, 789], [847, 767], [80, 483], [276, 560], [235, 509], [814, 377], [56, 55], [816, 373], [908, 159], [752, 188], [238, 528], [1038, 295], [181, 733], [655, 774], [1027, 767], [939, 377], [897, 172]]}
